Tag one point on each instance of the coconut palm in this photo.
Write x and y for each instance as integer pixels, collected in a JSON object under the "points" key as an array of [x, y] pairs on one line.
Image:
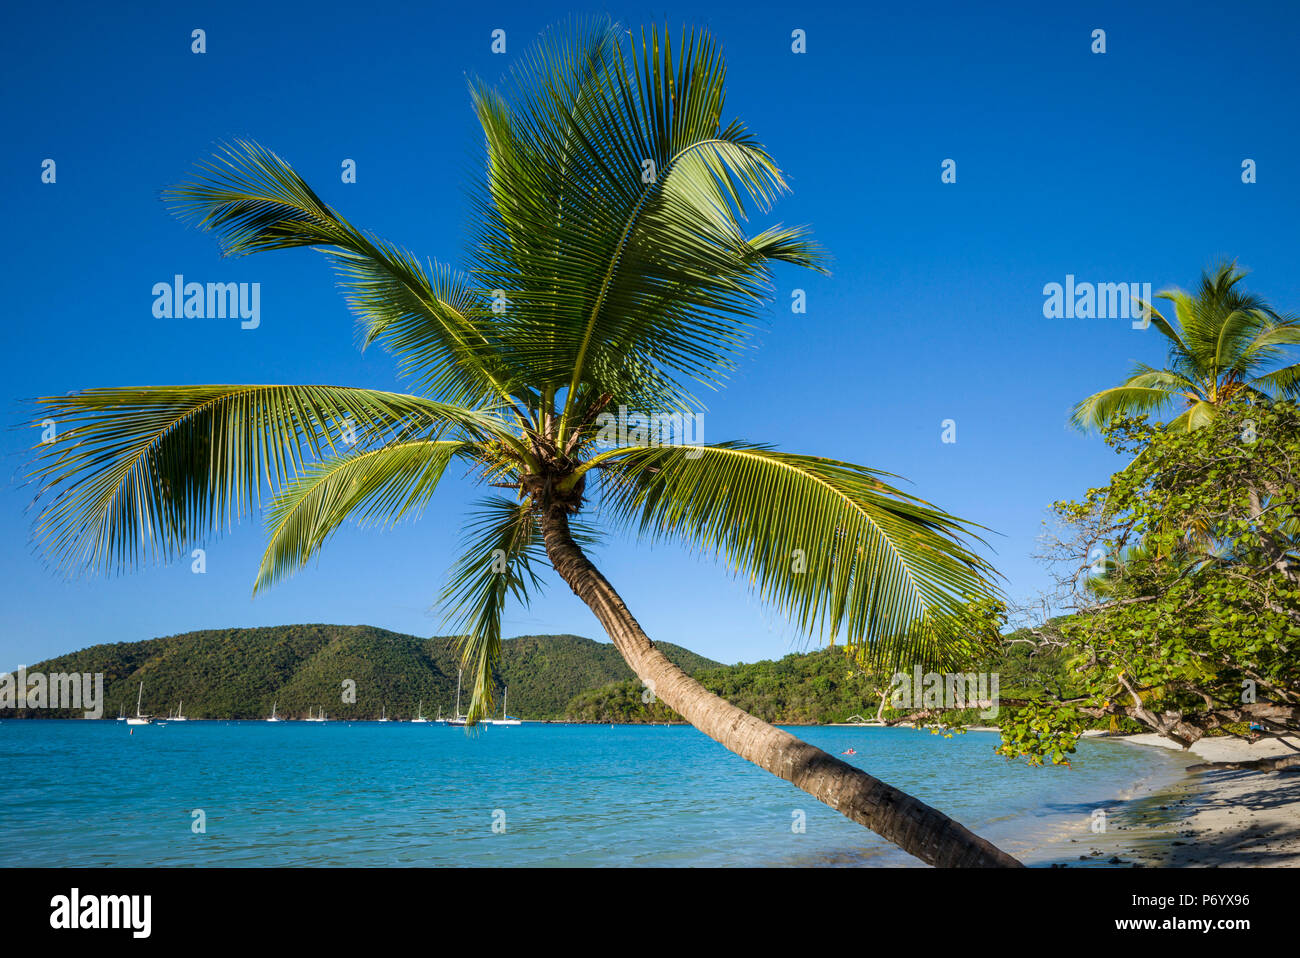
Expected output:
{"points": [[1224, 343], [608, 269]]}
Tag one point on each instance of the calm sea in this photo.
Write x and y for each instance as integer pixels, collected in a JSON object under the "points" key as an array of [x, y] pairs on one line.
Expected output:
{"points": [[88, 793]]}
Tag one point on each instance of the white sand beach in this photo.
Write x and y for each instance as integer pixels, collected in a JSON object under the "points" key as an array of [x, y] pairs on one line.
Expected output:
{"points": [[1213, 818]]}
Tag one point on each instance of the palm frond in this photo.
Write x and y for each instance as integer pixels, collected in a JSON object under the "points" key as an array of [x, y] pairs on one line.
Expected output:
{"points": [[610, 220], [1240, 348], [1196, 415], [501, 545], [429, 318], [1164, 326], [1284, 382], [374, 486], [830, 544], [1100, 408], [1271, 342], [502, 551], [141, 473]]}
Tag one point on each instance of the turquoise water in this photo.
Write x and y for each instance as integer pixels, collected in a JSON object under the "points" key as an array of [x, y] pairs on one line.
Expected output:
{"points": [[88, 793]]}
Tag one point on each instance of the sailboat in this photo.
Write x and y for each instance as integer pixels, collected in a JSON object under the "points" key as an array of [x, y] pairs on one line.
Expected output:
{"points": [[505, 719], [317, 718], [121, 714], [139, 718], [180, 713], [383, 714], [274, 717], [419, 715], [457, 719]]}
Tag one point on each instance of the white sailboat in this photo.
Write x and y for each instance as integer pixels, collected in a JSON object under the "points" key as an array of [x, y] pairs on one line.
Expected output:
{"points": [[274, 717], [317, 718], [180, 713], [505, 719], [121, 714], [139, 718], [383, 714], [457, 719], [419, 715]]}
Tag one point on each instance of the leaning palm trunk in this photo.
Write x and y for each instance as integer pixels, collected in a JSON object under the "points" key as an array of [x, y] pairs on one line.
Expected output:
{"points": [[910, 824]]}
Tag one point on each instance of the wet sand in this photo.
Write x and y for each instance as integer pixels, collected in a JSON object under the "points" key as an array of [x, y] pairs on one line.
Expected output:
{"points": [[1212, 818]]}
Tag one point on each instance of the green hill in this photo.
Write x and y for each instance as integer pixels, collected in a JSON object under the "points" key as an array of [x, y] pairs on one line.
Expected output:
{"points": [[818, 687], [549, 670], [239, 673], [803, 688]]}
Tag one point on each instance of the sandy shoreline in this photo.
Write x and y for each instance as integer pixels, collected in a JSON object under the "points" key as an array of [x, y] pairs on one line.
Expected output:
{"points": [[1211, 818]]}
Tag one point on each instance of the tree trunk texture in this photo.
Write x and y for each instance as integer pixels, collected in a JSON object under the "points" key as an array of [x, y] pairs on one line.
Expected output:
{"points": [[913, 826]]}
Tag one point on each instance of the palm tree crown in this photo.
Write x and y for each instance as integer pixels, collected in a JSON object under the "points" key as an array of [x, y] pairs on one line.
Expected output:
{"points": [[1224, 343]]}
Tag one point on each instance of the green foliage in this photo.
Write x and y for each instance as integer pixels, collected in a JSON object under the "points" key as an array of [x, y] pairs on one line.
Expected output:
{"points": [[1197, 608], [816, 687], [819, 687], [1042, 732], [624, 703]]}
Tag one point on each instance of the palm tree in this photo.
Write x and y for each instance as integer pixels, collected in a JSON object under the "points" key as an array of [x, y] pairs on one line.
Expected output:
{"points": [[1224, 343], [608, 269]]}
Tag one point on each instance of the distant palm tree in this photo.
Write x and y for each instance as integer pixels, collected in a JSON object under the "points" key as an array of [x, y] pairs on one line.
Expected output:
{"points": [[609, 269], [1224, 343]]}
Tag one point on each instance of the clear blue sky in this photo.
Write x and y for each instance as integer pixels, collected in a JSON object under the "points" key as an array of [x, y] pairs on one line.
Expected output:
{"points": [[1123, 166]]}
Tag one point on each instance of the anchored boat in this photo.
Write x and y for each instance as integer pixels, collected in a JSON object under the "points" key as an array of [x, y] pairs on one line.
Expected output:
{"points": [[139, 718]]}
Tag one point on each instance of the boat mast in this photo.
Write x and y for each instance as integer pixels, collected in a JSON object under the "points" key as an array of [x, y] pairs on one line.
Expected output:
{"points": [[458, 676], [138, 699]]}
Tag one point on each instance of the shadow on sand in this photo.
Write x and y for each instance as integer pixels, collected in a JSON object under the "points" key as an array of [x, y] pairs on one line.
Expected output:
{"points": [[1157, 830]]}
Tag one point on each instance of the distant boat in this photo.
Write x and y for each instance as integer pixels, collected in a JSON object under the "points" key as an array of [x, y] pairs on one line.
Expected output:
{"points": [[139, 718], [383, 714], [121, 714], [504, 719], [274, 717], [457, 719], [180, 714], [317, 718], [419, 715]]}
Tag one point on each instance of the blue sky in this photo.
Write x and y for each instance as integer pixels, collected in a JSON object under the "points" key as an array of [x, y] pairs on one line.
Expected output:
{"points": [[1115, 167]]}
